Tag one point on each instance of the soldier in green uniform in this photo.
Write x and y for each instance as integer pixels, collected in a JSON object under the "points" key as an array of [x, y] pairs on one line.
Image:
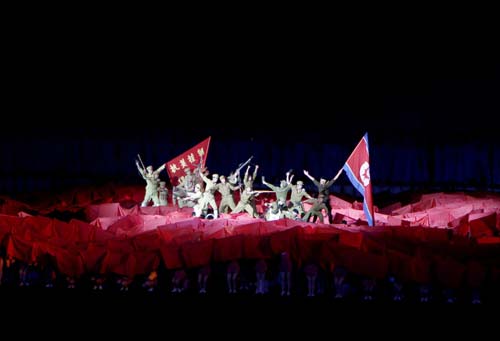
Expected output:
{"points": [[281, 190], [298, 192], [323, 188], [249, 179], [226, 190], [152, 179], [318, 205], [248, 183], [245, 203]]}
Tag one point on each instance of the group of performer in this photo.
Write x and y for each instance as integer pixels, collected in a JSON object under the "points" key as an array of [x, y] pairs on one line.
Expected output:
{"points": [[197, 190]]}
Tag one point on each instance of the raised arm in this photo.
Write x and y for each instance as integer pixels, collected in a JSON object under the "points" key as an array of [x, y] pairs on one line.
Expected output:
{"points": [[268, 184], [329, 183], [245, 177], [255, 172], [162, 167], [139, 168], [335, 177], [306, 173], [204, 177]]}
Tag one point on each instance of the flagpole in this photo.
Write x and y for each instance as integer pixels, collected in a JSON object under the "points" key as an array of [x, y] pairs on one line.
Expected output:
{"points": [[206, 154]]}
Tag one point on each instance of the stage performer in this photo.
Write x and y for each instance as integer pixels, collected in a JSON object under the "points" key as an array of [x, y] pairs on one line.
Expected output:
{"points": [[247, 202], [260, 274], [311, 271], [281, 191], [194, 200], [186, 185], [285, 268], [273, 212], [298, 192], [233, 270], [208, 196], [152, 180], [203, 274], [316, 210], [163, 193], [179, 281], [225, 189], [323, 188], [249, 179]]}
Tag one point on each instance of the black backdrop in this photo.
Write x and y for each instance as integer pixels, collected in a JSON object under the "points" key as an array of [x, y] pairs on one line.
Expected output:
{"points": [[430, 115]]}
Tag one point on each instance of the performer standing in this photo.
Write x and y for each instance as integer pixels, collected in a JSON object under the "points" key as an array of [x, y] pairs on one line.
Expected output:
{"points": [[152, 180], [248, 185], [323, 189], [298, 192], [249, 179], [208, 195], [225, 189]]}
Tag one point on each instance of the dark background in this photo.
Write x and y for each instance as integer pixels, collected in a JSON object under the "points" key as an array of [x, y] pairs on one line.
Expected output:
{"points": [[430, 108]]}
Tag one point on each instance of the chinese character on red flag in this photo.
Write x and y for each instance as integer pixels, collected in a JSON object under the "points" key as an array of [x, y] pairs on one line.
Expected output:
{"points": [[191, 158]]}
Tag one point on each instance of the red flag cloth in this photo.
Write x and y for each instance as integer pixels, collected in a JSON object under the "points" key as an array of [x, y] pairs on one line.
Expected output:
{"points": [[197, 254], [191, 158], [357, 168]]}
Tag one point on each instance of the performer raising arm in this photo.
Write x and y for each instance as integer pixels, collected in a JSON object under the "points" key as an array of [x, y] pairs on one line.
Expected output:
{"points": [[152, 179], [323, 189]]}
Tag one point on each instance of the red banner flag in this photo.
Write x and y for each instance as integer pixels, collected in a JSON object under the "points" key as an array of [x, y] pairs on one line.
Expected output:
{"points": [[191, 159], [357, 168]]}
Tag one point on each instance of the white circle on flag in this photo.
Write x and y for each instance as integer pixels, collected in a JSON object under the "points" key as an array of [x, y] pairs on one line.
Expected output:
{"points": [[364, 173]]}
